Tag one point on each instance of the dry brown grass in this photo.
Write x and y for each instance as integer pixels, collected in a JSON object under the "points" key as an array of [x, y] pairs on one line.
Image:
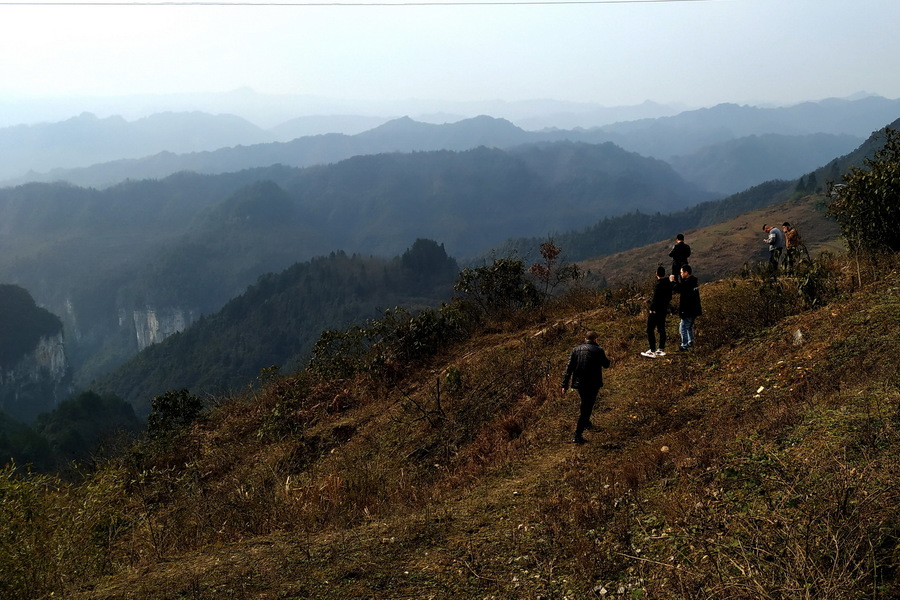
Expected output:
{"points": [[752, 468]]}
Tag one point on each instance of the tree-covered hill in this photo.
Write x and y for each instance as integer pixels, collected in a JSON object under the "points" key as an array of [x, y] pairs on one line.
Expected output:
{"points": [[104, 260], [22, 324], [34, 371], [733, 166], [276, 321]]}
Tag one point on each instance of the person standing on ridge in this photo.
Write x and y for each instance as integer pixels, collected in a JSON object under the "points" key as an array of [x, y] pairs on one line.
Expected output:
{"points": [[775, 239], [688, 306], [679, 255], [791, 246], [656, 314], [585, 371]]}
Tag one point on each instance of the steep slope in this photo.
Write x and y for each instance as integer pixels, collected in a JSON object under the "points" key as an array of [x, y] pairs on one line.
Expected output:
{"points": [[730, 469], [34, 370], [725, 248]]}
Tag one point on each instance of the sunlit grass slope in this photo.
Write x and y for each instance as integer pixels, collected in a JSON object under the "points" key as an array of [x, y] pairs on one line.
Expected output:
{"points": [[762, 465]]}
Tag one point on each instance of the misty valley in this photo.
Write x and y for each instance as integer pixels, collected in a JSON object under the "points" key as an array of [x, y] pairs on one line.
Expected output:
{"points": [[129, 270]]}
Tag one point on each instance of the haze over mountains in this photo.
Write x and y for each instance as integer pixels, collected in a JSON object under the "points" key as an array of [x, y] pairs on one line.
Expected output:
{"points": [[132, 251], [702, 144]]}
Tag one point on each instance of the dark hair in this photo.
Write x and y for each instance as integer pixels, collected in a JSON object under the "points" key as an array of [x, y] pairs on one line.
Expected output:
{"points": [[660, 271], [680, 237], [591, 335], [764, 227], [686, 269], [785, 224]]}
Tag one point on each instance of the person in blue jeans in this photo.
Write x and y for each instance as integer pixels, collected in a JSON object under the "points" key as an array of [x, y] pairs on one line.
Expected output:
{"points": [[688, 306], [585, 371]]}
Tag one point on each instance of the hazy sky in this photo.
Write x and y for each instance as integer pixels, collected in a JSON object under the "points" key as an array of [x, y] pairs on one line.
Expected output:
{"points": [[696, 52]]}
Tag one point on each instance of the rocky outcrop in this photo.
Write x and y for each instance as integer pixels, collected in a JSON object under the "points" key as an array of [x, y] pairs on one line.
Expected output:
{"points": [[34, 370], [38, 381], [152, 326]]}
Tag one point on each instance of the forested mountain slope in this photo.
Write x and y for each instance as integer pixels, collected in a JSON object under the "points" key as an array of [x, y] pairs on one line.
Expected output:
{"points": [[127, 265], [277, 320]]}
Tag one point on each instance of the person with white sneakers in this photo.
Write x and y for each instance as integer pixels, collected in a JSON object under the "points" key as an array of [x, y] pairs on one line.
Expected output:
{"points": [[656, 314]]}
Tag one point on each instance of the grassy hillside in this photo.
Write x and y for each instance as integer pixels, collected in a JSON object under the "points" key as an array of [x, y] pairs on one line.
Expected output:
{"points": [[762, 465], [724, 248]]}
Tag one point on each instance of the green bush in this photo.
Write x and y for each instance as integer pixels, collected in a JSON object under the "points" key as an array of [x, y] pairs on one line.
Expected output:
{"points": [[867, 206]]}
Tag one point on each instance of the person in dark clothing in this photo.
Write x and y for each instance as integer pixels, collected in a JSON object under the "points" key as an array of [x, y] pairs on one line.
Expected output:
{"points": [[688, 306], [585, 371], [679, 255], [656, 314]]}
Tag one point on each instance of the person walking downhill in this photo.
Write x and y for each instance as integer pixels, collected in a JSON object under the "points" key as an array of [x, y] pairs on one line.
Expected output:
{"points": [[679, 254], [656, 314], [585, 371], [688, 305]]}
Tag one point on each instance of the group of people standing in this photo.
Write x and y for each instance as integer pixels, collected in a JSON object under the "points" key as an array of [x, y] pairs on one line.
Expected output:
{"points": [[784, 245], [584, 371], [682, 282]]}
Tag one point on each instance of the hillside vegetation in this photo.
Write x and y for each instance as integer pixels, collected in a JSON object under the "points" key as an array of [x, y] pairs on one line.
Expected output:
{"points": [[762, 465], [426, 454]]}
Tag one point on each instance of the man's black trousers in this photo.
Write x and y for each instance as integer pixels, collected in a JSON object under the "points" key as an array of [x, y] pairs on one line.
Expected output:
{"points": [[588, 399], [656, 321]]}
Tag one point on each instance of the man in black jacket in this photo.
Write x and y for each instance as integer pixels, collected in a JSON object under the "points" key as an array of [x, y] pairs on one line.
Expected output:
{"points": [[689, 305], [679, 255], [585, 371], [656, 314]]}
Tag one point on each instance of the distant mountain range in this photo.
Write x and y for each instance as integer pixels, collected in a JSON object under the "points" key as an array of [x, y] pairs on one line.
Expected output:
{"points": [[702, 144]]}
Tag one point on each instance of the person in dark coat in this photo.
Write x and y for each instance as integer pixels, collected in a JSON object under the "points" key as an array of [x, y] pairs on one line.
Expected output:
{"points": [[679, 254], [656, 314], [688, 306], [585, 372]]}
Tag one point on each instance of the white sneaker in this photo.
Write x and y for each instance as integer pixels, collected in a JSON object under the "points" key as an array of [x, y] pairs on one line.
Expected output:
{"points": [[649, 354], [660, 352]]}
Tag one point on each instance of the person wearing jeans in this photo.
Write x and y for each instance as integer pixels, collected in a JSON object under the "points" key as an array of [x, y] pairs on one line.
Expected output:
{"points": [[686, 329], [688, 306]]}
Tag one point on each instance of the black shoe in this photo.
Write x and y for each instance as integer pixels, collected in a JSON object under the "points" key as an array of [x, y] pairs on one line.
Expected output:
{"points": [[579, 440], [589, 427]]}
